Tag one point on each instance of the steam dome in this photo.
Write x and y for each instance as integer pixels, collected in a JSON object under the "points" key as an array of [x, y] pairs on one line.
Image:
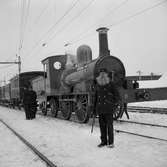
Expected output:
{"points": [[84, 54]]}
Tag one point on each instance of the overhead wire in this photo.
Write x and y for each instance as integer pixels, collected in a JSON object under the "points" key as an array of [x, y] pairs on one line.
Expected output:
{"points": [[41, 13], [74, 3], [137, 13], [82, 35], [70, 21], [21, 22], [124, 19], [24, 19]]}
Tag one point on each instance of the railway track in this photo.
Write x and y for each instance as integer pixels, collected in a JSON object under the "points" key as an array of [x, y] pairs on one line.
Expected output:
{"points": [[142, 123], [73, 119], [147, 109], [140, 135], [29, 145], [122, 131]]}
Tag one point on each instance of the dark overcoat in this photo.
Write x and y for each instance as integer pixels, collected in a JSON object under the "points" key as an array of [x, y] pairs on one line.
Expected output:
{"points": [[29, 97], [106, 97]]}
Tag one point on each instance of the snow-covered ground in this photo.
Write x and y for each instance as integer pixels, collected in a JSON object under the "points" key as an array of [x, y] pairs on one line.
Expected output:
{"points": [[162, 82], [154, 104], [69, 144], [14, 153], [158, 119]]}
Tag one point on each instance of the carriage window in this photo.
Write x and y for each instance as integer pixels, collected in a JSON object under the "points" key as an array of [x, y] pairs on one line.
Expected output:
{"points": [[57, 65]]}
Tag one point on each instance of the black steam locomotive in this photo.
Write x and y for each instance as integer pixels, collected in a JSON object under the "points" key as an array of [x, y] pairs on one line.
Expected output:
{"points": [[67, 83]]}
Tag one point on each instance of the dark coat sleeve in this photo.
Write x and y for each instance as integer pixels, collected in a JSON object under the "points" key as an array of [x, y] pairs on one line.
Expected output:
{"points": [[25, 94], [29, 97], [95, 99], [116, 95], [34, 97]]}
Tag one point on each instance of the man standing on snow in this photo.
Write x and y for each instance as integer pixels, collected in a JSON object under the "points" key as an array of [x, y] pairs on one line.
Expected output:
{"points": [[106, 97], [29, 102]]}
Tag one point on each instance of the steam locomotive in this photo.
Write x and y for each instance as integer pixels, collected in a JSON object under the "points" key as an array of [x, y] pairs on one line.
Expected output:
{"points": [[67, 83]]}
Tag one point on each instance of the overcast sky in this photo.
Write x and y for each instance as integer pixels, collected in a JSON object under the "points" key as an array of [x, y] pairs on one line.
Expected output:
{"points": [[140, 42]]}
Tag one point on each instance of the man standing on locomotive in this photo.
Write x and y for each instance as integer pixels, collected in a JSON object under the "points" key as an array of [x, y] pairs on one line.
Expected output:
{"points": [[29, 102], [106, 97]]}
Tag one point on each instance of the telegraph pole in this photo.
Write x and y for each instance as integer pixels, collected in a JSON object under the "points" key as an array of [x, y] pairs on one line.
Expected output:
{"points": [[19, 64], [139, 72]]}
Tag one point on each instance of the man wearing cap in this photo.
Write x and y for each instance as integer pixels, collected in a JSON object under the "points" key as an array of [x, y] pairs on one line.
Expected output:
{"points": [[106, 97]]}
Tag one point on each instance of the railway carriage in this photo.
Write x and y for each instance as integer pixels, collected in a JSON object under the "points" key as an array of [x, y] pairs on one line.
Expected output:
{"points": [[18, 83], [5, 94]]}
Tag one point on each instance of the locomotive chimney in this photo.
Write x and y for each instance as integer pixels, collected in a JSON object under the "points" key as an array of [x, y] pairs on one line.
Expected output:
{"points": [[103, 42]]}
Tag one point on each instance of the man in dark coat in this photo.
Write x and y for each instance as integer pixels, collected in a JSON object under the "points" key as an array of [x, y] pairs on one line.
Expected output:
{"points": [[29, 102], [106, 97]]}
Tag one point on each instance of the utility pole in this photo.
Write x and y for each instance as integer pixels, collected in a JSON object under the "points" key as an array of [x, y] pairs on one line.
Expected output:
{"points": [[139, 72], [19, 64], [152, 74]]}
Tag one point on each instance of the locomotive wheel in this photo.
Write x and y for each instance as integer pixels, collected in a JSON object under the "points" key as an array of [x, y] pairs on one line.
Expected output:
{"points": [[66, 109], [53, 107], [117, 112], [81, 109]]}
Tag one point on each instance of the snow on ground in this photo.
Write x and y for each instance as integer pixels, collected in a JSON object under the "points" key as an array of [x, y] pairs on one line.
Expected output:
{"points": [[162, 82], [159, 119], [157, 132], [155, 104], [70, 144], [14, 153]]}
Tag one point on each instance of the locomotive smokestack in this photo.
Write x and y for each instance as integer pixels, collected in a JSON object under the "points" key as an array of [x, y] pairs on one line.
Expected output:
{"points": [[103, 42]]}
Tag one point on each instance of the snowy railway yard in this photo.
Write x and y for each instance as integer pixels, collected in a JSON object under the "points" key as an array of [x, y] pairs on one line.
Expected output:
{"points": [[71, 144]]}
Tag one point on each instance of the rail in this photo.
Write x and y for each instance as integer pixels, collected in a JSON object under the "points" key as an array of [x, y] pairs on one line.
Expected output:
{"points": [[142, 123], [38, 153], [147, 109], [137, 134], [127, 132]]}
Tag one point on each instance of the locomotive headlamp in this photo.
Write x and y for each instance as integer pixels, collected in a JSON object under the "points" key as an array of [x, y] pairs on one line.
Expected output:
{"points": [[57, 65]]}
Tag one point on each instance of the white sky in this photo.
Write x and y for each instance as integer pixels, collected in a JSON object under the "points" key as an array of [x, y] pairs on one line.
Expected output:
{"points": [[139, 42]]}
